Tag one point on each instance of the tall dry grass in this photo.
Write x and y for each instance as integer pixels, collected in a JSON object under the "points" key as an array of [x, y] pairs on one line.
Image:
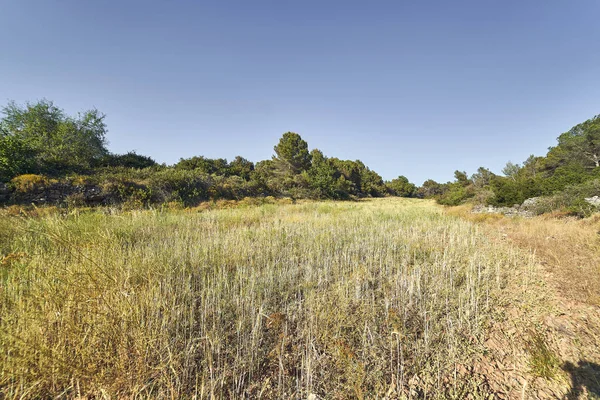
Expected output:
{"points": [[567, 246], [341, 300]]}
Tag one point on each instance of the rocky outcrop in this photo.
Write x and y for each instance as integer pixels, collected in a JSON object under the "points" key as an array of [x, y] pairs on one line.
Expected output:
{"points": [[531, 203], [4, 193], [514, 211], [594, 201], [60, 193]]}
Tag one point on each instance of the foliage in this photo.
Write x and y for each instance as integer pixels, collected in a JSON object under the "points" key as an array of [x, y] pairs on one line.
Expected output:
{"points": [[401, 187], [40, 138], [216, 166], [29, 182], [430, 189], [582, 143], [127, 160], [563, 176], [240, 167], [292, 156], [511, 170], [571, 199], [325, 179], [456, 193], [53, 141], [482, 178], [371, 183], [16, 157]]}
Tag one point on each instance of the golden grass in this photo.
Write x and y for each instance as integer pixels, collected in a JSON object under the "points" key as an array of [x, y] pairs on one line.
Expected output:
{"points": [[342, 300], [568, 247]]}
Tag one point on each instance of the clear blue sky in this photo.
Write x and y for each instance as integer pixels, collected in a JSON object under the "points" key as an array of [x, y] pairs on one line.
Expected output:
{"points": [[419, 88]]}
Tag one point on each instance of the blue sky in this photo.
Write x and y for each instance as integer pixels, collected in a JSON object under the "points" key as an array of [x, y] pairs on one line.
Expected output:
{"points": [[418, 88]]}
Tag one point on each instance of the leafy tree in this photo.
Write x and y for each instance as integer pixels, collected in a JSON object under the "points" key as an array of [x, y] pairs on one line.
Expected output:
{"points": [[292, 154], [16, 158], [325, 179], [582, 143], [507, 192], [56, 142], [430, 188], [482, 177], [128, 160], [263, 177], [511, 170], [352, 173], [533, 165], [459, 191], [287, 171], [454, 194], [240, 167], [371, 182], [216, 166], [402, 187], [461, 178]]}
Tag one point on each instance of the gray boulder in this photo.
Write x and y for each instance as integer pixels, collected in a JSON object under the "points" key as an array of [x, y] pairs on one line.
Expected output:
{"points": [[595, 201], [530, 203]]}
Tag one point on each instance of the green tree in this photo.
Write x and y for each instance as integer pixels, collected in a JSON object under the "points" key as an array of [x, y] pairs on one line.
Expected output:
{"points": [[511, 170], [263, 177], [288, 170], [482, 177], [533, 165], [430, 188], [325, 179], [402, 187], [241, 167], [351, 172], [216, 166], [582, 143], [56, 142], [16, 158], [461, 178], [292, 156], [128, 160]]}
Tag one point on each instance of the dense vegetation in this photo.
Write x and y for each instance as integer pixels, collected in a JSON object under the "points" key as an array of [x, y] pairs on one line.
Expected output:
{"points": [[40, 145], [568, 173]]}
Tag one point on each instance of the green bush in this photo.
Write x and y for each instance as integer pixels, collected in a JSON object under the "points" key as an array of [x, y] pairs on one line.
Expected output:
{"points": [[29, 183], [455, 195], [187, 186], [571, 199]]}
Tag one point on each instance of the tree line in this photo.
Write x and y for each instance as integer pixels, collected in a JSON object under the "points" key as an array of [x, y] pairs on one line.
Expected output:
{"points": [[39, 139], [39, 142], [562, 179]]}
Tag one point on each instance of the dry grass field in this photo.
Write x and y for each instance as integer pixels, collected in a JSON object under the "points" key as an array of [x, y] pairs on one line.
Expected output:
{"points": [[387, 298]]}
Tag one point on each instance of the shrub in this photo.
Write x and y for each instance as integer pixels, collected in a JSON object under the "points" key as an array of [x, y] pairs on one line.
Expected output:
{"points": [[483, 196], [29, 183], [128, 160], [455, 195], [571, 200], [82, 180], [130, 194], [188, 187]]}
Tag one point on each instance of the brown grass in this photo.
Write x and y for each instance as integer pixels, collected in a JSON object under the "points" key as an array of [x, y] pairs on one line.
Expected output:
{"points": [[568, 247]]}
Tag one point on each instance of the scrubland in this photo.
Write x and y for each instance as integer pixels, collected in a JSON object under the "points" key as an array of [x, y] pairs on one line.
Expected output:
{"points": [[386, 298]]}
